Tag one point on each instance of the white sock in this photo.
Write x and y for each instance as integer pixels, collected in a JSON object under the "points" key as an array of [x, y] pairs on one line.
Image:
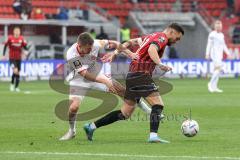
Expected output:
{"points": [[153, 134], [93, 126], [143, 106], [215, 85], [213, 79], [72, 121]]}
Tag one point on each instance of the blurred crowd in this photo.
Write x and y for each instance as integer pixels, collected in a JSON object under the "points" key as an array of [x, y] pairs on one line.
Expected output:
{"points": [[26, 11]]}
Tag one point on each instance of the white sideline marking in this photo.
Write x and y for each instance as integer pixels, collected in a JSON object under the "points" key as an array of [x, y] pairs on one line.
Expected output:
{"points": [[118, 155], [27, 92]]}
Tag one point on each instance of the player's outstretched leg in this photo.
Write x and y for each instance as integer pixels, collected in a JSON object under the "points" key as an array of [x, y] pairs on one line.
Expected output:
{"points": [[140, 102], [112, 117]]}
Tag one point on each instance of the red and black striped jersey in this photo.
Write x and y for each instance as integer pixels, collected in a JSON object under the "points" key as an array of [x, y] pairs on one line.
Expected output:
{"points": [[145, 63], [15, 46]]}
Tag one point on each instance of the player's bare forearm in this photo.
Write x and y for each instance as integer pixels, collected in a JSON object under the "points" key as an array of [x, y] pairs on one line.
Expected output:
{"points": [[124, 47], [113, 44], [153, 53], [132, 42], [92, 77]]}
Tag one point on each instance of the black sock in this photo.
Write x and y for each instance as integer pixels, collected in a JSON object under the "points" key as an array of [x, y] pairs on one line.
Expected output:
{"points": [[155, 117], [17, 81], [13, 77], [110, 118]]}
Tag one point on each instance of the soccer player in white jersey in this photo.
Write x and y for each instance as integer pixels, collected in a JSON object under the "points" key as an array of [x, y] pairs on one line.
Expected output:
{"points": [[215, 47], [85, 52]]}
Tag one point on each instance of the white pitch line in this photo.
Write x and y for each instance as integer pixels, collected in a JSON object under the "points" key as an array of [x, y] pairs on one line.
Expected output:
{"points": [[119, 155]]}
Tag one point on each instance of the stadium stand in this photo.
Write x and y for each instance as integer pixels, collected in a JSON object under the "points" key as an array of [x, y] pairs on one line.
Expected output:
{"points": [[121, 9]]}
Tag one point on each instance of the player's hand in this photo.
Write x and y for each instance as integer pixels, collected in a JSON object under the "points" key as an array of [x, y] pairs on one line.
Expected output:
{"points": [[207, 57], [165, 68], [111, 87], [109, 57], [134, 56], [114, 87], [118, 87]]}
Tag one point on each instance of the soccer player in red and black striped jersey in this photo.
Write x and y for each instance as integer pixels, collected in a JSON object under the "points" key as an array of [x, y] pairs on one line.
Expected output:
{"points": [[139, 81], [15, 43]]}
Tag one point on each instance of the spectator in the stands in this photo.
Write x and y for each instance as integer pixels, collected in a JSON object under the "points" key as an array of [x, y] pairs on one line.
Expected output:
{"points": [[236, 35], [230, 8], [17, 7], [38, 14], [125, 33], [194, 6], [133, 1], [102, 34], [172, 53], [177, 6], [23, 8], [93, 33], [62, 14], [54, 38]]}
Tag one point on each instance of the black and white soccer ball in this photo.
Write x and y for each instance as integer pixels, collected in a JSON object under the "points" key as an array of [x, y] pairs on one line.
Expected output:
{"points": [[190, 128]]}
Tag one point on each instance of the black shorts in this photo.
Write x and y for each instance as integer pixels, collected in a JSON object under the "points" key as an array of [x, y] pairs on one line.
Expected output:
{"points": [[139, 84], [15, 63]]}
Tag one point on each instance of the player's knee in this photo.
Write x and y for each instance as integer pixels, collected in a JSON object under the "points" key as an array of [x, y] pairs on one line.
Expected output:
{"points": [[15, 71], [126, 114], [123, 116], [74, 106], [157, 109], [121, 93]]}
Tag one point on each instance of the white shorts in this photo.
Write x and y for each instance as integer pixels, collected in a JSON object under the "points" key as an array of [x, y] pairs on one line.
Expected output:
{"points": [[79, 88], [217, 63]]}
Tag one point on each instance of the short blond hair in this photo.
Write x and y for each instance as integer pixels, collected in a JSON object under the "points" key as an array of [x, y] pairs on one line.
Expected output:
{"points": [[85, 39]]}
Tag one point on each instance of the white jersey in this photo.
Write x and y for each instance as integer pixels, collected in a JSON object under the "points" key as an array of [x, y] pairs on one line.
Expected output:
{"points": [[87, 61], [216, 46]]}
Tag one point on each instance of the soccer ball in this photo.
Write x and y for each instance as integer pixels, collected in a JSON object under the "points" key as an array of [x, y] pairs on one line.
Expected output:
{"points": [[190, 128]]}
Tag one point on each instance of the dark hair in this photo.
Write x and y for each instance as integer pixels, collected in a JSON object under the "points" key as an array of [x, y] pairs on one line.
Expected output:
{"points": [[176, 27], [85, 39]]}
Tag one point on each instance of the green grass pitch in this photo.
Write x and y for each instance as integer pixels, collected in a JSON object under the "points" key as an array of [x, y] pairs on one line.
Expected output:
{"points": [[29, 128]]}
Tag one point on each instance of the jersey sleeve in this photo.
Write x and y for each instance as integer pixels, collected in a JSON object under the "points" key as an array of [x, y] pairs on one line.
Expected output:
{"points": [[159, 40]]}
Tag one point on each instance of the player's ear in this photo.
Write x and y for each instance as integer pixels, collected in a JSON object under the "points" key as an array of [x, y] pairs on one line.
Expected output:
{"points": [[172, 32]]}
